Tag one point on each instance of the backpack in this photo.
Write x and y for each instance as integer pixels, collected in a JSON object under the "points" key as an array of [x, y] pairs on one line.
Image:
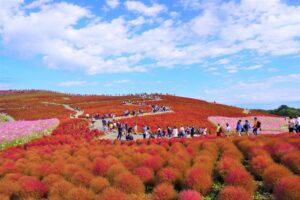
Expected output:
{"points": [[258, 125]]}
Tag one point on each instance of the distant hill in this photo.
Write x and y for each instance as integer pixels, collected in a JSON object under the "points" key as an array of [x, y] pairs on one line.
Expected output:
{"points": [[283, 110], [34, 104]]}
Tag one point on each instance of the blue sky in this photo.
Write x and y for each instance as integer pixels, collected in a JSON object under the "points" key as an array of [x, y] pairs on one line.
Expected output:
{"points": [[242, 53]]}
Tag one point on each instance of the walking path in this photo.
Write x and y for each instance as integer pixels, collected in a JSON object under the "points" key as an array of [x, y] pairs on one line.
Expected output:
{"points": [[68, 107], [112, 135], [6, 118]]}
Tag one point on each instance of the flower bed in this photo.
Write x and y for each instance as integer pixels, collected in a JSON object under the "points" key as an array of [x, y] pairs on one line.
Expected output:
{"points": [[270, 125], [19, 132]]}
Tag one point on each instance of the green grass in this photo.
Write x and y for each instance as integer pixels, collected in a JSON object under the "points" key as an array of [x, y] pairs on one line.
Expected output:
{"points": [[23, 140]]}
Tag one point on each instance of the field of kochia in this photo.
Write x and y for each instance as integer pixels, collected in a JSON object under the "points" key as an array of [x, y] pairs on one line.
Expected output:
{"points": [[74, 163], [71, 164]]}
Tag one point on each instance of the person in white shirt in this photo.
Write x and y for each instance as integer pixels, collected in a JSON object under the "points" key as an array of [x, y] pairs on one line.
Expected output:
{"points": [[228, 129], [175, 132]]}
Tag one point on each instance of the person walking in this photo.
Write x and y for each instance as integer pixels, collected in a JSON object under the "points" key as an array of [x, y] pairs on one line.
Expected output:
{"points": [[239, 128], [120, 130], [219, 130], [175, 131], [298, 124], [135, 128], [228, 129], [145, 131], [256, 126], [247, 127], [169, 130], [193, 131]]}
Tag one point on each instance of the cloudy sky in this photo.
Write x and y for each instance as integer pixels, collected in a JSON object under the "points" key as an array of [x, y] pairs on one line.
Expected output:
{"points": [[235, 52]]}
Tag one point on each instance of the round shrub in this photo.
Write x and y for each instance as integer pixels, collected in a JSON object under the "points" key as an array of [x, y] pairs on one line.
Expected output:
{"points": [[164, 191], [82, 178], [32, 187], [273, 173], [111, 193], [169, 175], [154, 162], [145, 174], [226, 165], [233, 193], [98, 184], [292, 160], [259, 164], [240, 177], [139, 197], [80, 193], [129, 183], [198, 180], [9, 187], [60, 189], [114, 171], [288, 188], [52, 179], [190, 195], [100, 166]]}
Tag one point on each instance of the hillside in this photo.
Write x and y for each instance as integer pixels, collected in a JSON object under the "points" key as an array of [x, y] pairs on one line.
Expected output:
{"points": [[31, 105]]}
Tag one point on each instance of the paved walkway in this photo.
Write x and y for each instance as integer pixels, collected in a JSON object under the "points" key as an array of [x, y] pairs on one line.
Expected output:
{"points": [[112, 135], [68, 107]]}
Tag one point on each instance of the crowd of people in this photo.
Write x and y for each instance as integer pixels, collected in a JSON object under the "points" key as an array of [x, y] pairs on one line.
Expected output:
{"points": [[157, 108], [170, 132], [294, 124], [241, 128]]}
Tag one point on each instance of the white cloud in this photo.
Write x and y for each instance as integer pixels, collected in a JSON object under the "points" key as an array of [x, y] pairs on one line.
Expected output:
{"points": [[122, 81], [113, 3], [140, 7], [72, 83], [37, 4], [253, 67], [70, 37]]}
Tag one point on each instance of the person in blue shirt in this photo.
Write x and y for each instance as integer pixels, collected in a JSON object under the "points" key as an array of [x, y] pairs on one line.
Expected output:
{"points": [[247, 127], [239, 128]]}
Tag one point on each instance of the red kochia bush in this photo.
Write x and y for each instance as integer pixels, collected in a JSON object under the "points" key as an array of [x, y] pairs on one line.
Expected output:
{"points": [[164, 191], [259, 164], [292, 160], [32, 187], [234, 193], [190, 195], [169, 174], [288, 188], [273, 173], [154, 162], [145, 174], [240, 177], [199, 180], [129, 183], [112, 194], [100, 166]]}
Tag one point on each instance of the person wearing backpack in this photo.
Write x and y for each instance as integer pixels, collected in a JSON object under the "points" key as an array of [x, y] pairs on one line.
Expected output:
{"points": [[256, 126]]}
